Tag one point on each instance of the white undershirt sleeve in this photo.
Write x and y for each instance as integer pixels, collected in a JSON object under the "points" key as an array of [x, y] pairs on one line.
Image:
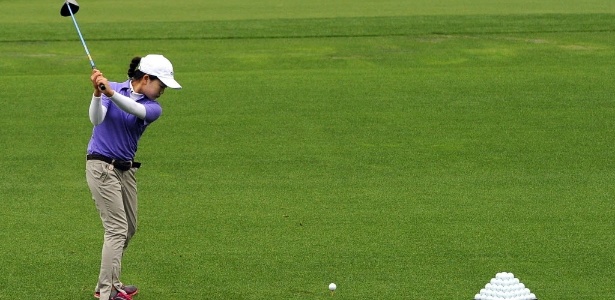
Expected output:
{"points": [[97, 111], [128, 105]]}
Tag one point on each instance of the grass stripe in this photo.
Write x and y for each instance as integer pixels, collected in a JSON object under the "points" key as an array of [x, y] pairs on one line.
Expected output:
{"points": [[309, 28]]}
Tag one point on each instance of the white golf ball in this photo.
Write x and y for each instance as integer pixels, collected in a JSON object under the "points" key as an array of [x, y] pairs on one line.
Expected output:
{"points": [[332, 286]]}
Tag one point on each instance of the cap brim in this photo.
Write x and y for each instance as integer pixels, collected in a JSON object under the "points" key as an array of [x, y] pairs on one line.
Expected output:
{"points": [[170, 82]]}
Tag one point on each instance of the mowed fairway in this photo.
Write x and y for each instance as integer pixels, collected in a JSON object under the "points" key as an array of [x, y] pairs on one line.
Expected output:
{"points": [[402, 151]]}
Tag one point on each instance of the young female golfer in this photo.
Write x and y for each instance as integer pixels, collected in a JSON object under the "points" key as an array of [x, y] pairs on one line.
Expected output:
{"points": [[120, 114]]}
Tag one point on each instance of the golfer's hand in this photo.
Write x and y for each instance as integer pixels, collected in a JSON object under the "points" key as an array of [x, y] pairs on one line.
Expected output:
{"points": [[97, 78]]}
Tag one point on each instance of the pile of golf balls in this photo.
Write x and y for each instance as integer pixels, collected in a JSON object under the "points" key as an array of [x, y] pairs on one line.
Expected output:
{"points": [[505, 287]]}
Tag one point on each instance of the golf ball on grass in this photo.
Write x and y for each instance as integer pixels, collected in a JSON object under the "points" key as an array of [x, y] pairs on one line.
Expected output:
{"points": [[332, 286]]}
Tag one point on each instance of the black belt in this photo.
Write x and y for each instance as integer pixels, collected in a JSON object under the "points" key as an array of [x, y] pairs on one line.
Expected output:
{"points": [[120, 164]]}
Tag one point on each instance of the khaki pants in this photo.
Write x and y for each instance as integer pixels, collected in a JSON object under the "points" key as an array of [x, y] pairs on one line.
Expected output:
{"points": [[115, 195]]}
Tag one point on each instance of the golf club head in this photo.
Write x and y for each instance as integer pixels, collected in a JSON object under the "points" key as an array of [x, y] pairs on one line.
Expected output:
{"points": [[74, 7]]}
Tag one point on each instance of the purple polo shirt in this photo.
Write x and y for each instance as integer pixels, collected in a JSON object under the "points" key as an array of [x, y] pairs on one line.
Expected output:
{"points": [[119, 133]]}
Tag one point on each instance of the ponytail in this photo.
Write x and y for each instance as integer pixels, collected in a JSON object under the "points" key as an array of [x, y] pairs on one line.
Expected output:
{"points": [[132, 70]]}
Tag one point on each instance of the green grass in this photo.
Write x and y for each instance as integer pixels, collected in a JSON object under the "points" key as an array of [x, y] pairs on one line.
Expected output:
{"points": [[111, 11], [407, 152]]}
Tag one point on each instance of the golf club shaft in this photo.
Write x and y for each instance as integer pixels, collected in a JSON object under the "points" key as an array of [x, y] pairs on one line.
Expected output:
{"points": [[101, 86]]}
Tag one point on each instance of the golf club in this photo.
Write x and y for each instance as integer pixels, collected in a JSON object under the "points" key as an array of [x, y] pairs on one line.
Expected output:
{"points": [[70, 8]]}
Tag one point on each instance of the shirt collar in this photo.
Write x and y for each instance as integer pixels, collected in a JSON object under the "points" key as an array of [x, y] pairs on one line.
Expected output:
{"points": [[134, 95]]}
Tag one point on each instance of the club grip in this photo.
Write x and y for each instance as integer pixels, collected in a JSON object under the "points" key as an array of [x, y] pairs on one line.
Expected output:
{"points": [[102, 87]]}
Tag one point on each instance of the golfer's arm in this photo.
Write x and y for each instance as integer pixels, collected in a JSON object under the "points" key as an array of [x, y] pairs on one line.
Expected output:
{"points": [[97, 111], [128, 105]]}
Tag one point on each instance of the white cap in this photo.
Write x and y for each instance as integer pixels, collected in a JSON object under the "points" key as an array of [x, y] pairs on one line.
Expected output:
{"points": [[159, 66]]}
